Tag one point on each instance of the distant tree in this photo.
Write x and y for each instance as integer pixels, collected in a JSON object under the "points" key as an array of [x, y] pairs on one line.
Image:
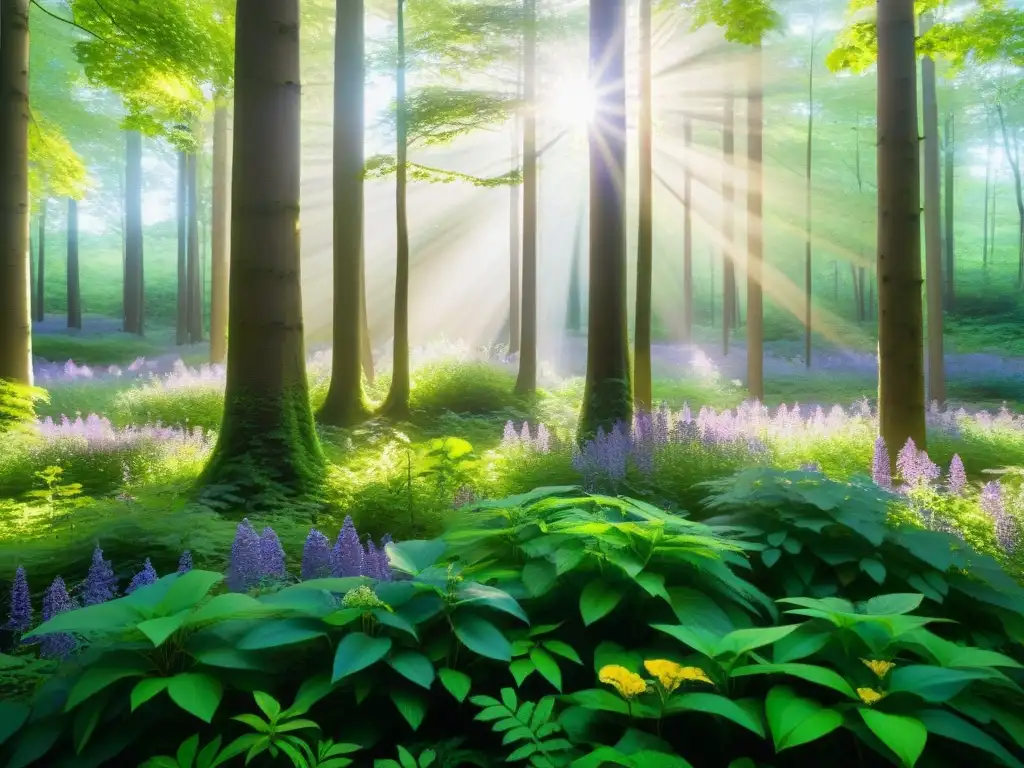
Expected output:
{"points": [[949, 190], [194, 293], [219, 232], [40, 286], [642, 393], [728, 221], [181, 314], [74, 301], [526, 381]]}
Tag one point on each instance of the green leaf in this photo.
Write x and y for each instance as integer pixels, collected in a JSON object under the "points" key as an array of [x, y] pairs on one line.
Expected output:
{"points": [[700, 640], [521, 669], [396, 621], [411, 705], [905, 736], [481, 637], [564, 650], [809, 672], [356, 652], [598, 599], [411, 557], [457, 683], [281, 632], [597, 698], [414, 666], [268, 705], [405, 758], [158, 630], [654, 585], [187, 751], [538, 577], [493, 598], [807, 640], [522, 753], [874, 569], [775, 538], [312, 690], [230, 605], [713, 704], [106, 617], [770, 556], [196, 693], [13, 715], [547, 667], [186, 591], [35, 741], [85, 721], [743, 641], [944, 723], [888, 605], [794, 720], [95, 679], [933, 684], [145, 690]]}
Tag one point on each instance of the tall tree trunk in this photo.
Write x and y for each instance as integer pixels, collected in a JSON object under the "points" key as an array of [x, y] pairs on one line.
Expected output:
{"points": [[645, 232], [808, 250], [267, 440], [711, 275], [1014, 160], [397, 401], [219, 224], [574, 311], [41, 267], [901, 401], [74, 284], [195, 276], [181, 336], [526, 382], [346, 403], [515, 222], [932, 227], [688, 233], [365, 340], [133, 306], [728, 193], [949, 189], [607, 398], [755, 227], [15, 305], [33, 299], [992, 221], [988, 186]]}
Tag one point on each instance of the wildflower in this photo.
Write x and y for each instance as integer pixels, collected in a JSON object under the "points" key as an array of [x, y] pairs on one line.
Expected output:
{"points": [[362, 597], [1006, 527], [245, 567], [542, 440], [271, 554], [510, 436], [880, 668], [20, 618], [870, 696], [185, 562], [316, 556], [56, 601], [347, 555], [100, 583], [143, 578], [371, 560], [907, 463], [672, 675], [524, 434], [957, 479], [881, 471], [384, 563], [628, 684]]}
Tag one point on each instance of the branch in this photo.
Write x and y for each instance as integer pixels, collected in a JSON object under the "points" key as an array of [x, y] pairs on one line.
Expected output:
{"points": [[69, 22]]}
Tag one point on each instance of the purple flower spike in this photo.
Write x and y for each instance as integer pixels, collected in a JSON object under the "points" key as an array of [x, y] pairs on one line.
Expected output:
{"points": [[20, 618], [957, 479], [371, 560], [510, 436], [100, 583], [347, 556], [1006, 526], [56, 601], [143, 578], [384, 567], [881, 471], [907, 463], [185, 562], [316, 556], [244, 570], [271, 554]]}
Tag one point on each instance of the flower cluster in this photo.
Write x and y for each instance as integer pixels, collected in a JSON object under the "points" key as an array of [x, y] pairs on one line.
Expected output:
{"points": [[56, 600], [668, 674], [97, 434]]}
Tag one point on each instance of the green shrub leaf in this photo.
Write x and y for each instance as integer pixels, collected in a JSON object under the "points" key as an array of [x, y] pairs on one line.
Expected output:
{"points": [[196, 693], [944, 723], [145, 690], [411, 705], [713, 704], [411, 557], [13, 715], [564, 650], [230, 605], [794, 720], [521, 669], [743, 641], [933, 684], [809, 672], [158, 630], [874, 569], [598, 599], [481, 637], [905, 736], [414, 666], [539, 576], [457, 683], [547, 667], [356, 652], [281, 632], [95, 679], [186, 591]]}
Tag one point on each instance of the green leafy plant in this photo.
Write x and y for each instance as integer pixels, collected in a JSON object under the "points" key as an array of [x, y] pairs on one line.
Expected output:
{"points": [[531, 723], [58, 497]]}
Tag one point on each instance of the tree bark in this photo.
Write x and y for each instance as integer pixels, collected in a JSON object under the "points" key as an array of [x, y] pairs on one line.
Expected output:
{"points": [[808, 224], [949, 189], [181, 335], [515, 224], [194, 299], [728, 194], [755, 227], [397, 402], [346, 404], [574, 311], [365, 340], [74, 284], [15, 289], [932, 227], [688, 234], [219, 223], [267, 440], [41, 266], [901, 401], [645, 236], [1014, 160], [33, 299], [607, 398], [133, 306], [526, 381]]}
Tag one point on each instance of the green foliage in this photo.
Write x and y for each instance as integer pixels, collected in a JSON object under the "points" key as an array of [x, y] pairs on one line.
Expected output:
{"points": [[18, 404], [384, 166], [55, 169], [743, 21]]}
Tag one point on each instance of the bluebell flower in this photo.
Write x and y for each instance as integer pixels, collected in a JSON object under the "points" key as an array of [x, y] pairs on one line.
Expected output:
{"points": [[371, 560], [20, 617], [316, 556], [881, 468], [56, 600], [143, 578], [185, 562], [245, 568], [100, 583], [271, 554], [956, 481], [347, 555]]}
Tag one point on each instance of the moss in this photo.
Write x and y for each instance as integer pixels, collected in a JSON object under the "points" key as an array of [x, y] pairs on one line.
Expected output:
{"points": [[606, 402]]}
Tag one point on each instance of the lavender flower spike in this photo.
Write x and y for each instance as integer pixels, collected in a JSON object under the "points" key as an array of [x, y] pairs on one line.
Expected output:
{"points": [[1006, 527], [957, 479], [316, 556], [185, 562], [56, 601], [384, 565], [143, 578], [881, 471], [271, 554], [371, 560], [100, 583], [20, 618], [347, 556], [245, 568]]}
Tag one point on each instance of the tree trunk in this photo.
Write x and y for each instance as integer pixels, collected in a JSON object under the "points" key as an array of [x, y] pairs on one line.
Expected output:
{"points": [[33, 299], [365, 340], [901, 401], [607, 398], [645, 240], [932, 228], [988, 186], [1014, 160], [74, 284], [808, 250], [267, 441], [949, 189], [515, 224], [688, 233], [219, 223], [711, 274], [397, 402], [41, 266], [346, 403], [133, 306], [728, 266], [15, 305], [182, 314], [574, 312], [755, 227], [195, 276], [526, 382]]}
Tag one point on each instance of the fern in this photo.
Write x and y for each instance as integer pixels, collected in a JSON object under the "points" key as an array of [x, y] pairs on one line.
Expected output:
{"points": [[17, 404], [529, 725]]}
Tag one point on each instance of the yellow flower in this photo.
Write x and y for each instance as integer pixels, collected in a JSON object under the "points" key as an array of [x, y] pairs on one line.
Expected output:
{"points": [[628, 684], [672, 675], [880, 668], [870, 696]]}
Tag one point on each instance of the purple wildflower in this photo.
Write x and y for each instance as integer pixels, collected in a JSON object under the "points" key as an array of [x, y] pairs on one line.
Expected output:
{"points": [[316, 556], [371, 560], [384, 563], [244, 570], [1006, 527], [185, 562], [20, 618], [143, 578], [100, 583], [542, 440], [56, 601], [510, 437], [524, 434], [271, 554], [881, 471], [957, 478], [907, 463], [347, 555]]}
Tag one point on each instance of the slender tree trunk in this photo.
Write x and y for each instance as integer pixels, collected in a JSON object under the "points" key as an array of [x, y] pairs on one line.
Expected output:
{"points": [[688, 233], [15, 304], [219, 231], [365, 340], [41, 267], [645, 234], [607, 398], [182, 313], [901, 400], [267, 442], [988, 186], [711, 273], [1014, 160], [808, 224], [133, 322], [74, 284], [346, 404], [574, 313], [526, 382], [932, 228], [515, 223], [992, 222], [728, 193], [33, 299], [194, 300], [949, 189], [755, 227], [397, 402], [871, 298]]}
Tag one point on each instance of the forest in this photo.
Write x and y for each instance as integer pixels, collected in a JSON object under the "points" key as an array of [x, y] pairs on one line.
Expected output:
{"points": [[547, 383]]}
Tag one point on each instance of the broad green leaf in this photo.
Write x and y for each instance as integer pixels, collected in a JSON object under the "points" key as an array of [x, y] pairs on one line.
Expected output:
{"points": [[13, 715], [457, 683], [95, 679], [806, 640], [35, 740], [396, 621], [268, 705], [933, 684], [701, 641], [356, 652], [278, 633], [312, 690], [547, 667], [145, 690], [85, 720], [196, 693], [698, 610], [231, 658], [411, 557], [874, 569], [770, 556], [794, 720], [113, 616], [944, 723], [597, 698], [654, 585], [905, 736], [158, 630], [598, 599], [521, 669], [187, 751], [564, 650], [888, 605], [743, 641], [539, 576], [481, 636], [713, 704], [186, 591], [230, 605], [411, 705], [414, 666], [491, 597], [809, 672]]}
